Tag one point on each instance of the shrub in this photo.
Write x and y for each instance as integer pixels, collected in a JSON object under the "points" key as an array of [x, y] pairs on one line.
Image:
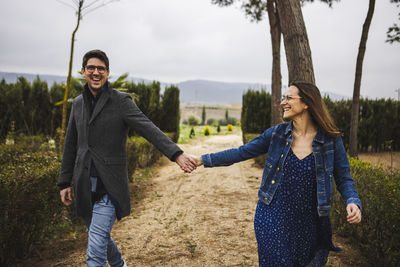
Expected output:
{"points": [[193, 120], [207, 130], [231, 120], [225, 121], [260, 160], [141, 154], [170, 114], [378, 234], [192, 133], [230, 128], [29, 197], [211, 121], [218, 128], [222, 122], [256, 110]]}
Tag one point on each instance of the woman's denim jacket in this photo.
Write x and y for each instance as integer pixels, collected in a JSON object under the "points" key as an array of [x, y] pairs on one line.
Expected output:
{"points": [[330, 161]]}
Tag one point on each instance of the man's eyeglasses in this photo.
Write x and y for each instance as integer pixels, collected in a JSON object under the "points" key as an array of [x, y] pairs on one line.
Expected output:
{"points": [[91, 68], [289, 97]]}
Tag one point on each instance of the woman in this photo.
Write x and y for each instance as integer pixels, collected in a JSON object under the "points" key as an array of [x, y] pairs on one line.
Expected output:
{"points": [[292, 222]]}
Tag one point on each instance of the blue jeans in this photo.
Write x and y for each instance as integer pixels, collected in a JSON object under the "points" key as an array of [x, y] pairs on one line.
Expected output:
{"points": [[101, 246]]}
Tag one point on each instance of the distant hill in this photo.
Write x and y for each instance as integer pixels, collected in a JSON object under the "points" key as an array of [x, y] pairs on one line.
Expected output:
{"points": [[193, 92], [11, 77], [213, 92]]}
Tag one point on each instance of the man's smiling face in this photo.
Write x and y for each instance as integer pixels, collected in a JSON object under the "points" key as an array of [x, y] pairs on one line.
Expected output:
{"points": [[95, 73]]}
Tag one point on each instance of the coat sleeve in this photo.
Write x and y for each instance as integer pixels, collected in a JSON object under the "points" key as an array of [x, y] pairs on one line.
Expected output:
{"points": [[254, 148], [341, 172], [136, 120], [69, 153]]}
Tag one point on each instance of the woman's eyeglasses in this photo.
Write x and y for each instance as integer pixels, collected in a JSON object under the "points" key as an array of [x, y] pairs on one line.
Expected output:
{"points": [[289, 97], [91, 68]]}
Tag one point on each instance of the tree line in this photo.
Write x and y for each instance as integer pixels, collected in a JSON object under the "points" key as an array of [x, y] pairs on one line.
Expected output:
{"points": [[379, 119], [31, 108]]}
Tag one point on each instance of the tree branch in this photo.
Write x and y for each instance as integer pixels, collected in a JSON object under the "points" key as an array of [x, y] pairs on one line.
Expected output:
{"points": [[66, 4]]}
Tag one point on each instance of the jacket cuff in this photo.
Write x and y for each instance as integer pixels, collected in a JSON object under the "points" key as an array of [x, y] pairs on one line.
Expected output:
{"points": [[206, 158], [354, 200], [177, 154], [63, 185]]}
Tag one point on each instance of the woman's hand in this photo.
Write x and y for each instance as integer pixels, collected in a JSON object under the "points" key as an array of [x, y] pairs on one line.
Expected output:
{"points": [[353, 213], [197, 159]]}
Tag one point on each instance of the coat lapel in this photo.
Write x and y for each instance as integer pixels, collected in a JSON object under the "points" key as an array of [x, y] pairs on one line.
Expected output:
{"points": [[100, 104]]}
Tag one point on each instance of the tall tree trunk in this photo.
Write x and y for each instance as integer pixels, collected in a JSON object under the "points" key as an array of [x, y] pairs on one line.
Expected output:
{"points": [[355, 107], [276, 80], [71, 57], [298, 52]]}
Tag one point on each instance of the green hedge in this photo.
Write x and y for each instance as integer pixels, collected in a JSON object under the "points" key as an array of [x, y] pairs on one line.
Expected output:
{"points": [[256, 110], [378, 234], [29, 197], [29, 108], [374, 115], [30, 200], [260, 160], [141, 153]]}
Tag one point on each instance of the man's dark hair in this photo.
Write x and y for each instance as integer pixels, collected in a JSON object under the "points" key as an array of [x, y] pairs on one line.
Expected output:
{"points": [[95, 54]]}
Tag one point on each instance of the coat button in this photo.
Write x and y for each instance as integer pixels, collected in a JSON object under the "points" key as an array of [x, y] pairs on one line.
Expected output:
{"points": [[282, 156], [287, 143], [273, 181], [277, 169], [265, 198]]}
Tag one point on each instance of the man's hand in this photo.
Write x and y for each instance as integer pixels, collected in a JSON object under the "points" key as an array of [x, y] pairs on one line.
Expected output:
{"points": [[353, 213], [66, 196], [186, 163]]}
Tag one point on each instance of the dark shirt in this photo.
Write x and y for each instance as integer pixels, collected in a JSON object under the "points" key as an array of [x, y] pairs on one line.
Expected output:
{"points": [[92, 101]]}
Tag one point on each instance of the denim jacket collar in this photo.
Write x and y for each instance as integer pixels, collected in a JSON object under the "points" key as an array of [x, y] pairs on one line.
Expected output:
{"points": [[319, 137]]}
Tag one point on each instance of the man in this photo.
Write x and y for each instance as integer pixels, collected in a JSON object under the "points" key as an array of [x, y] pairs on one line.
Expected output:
{"points": [[95, 157]]}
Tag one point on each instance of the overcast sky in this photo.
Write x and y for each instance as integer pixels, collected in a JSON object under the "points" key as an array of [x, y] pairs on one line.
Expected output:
{"points": [[178, 40]]}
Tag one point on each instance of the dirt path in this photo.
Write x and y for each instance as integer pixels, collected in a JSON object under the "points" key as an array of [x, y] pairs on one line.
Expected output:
{"points": [[199, 219]]}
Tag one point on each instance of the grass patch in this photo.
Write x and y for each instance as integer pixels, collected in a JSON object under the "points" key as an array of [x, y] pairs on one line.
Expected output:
{"points": [[199, 132]]}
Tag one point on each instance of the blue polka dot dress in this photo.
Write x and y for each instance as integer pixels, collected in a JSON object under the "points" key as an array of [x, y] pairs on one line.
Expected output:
{"points": [[289, 231]]}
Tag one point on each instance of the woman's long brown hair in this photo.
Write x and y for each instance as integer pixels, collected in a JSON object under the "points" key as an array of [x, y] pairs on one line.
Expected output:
{"points": [[311, 96]]}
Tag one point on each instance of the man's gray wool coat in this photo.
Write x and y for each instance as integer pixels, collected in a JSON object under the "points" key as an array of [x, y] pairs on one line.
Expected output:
{"points": [[103, 138]]}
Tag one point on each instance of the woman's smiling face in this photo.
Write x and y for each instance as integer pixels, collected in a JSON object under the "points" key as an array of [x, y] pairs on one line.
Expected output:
{"points": [[292, 104]]}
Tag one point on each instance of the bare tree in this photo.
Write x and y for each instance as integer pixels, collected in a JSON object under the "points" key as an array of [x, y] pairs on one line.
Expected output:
{"points": [[276, 79], [81, 7], [355, 107], [297, 47], [256, 10]]}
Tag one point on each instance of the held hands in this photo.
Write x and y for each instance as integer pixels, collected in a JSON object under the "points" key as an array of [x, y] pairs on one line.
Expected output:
{"points": [[198, 160], [66, 196], [188, 163], [353, 213]]}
